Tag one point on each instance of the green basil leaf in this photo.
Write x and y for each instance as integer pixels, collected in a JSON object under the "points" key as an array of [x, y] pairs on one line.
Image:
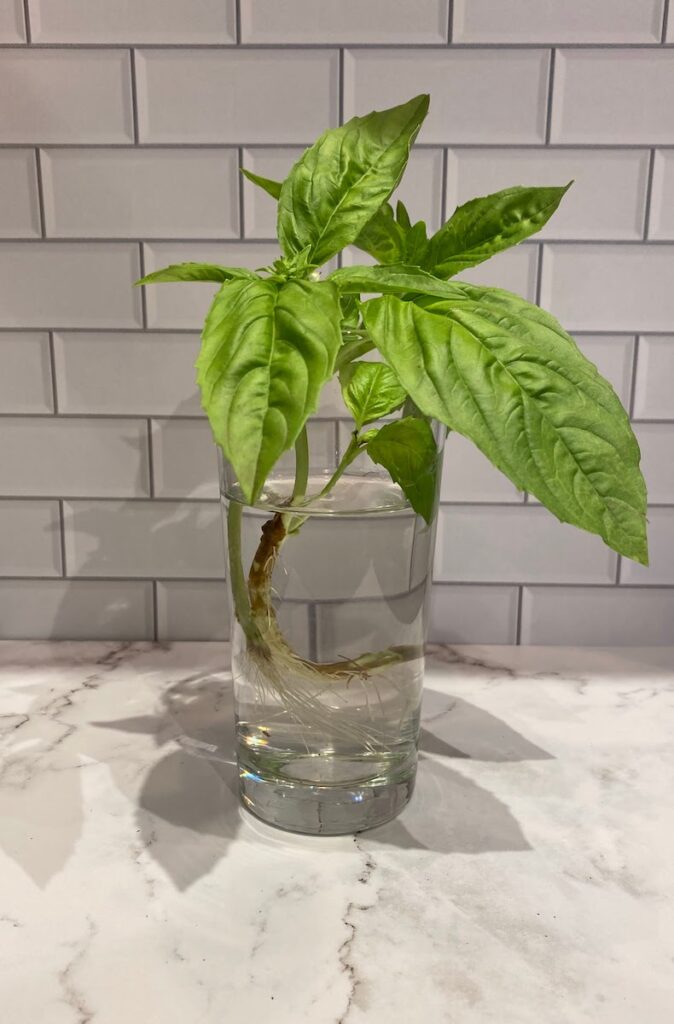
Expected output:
{"points": [[352, 349], [521, 390], [340, 182], [402, 216], [350, 311], [370, 391], [272, 188], [489, 224], [392, 280], [195, 272], [267, 350], [406, 449], [416, 245], [382, 237]]}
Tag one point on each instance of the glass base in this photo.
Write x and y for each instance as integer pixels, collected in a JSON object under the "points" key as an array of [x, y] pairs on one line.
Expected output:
{"points": [[323, 810]]}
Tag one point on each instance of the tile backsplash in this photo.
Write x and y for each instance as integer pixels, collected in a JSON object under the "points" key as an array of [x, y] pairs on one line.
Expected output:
{"points": [[122, 131]]}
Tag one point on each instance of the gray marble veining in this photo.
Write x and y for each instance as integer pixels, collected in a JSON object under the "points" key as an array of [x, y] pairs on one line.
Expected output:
{"points": [[531, 880]]}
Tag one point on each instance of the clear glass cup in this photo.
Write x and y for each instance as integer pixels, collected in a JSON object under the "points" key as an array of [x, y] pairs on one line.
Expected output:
{"points": [[328, 609]]}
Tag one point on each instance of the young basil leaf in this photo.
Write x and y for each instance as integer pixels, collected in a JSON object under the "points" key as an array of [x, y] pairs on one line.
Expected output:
{"points": [[272, 188], [402, 216], [350, 311], [370, 391], [382, 237], [340, 182], [416, 245], [267, 350], [525, 395], [406, 448], [489, 224], [195, 272], [352, 349]]}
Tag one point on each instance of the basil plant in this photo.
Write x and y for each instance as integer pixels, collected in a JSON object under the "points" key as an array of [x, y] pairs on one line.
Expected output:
{"points": [[484, 362]]}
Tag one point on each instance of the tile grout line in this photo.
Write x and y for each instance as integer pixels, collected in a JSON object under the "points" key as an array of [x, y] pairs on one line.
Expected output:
{"points": [[450, 22], [40, 192], [551, 91], [327, 47], [62, 532], [134, 95], [26, 21], [237, 22], [241, 194], [665, 21], [444, 186], [190, 417], [150, 458], [235, 240], [225, 144], [312, 615], [633, 379], [194, 331], [649, 194], [340, 87], [143, 294], [461, 584], [52, 371], [155, 611], [518, 621]]}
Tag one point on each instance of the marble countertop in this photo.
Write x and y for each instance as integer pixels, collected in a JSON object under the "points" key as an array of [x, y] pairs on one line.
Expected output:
{"points": [[530, 881]]}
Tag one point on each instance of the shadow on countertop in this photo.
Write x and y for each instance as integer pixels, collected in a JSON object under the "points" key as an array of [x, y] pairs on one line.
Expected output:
{"points": [[188, 808]]}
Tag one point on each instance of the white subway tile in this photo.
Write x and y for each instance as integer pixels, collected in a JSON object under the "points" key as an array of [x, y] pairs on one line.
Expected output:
{"points": [[143, 538], [468, 475], [25, 373], [55, 456], [656, 441], [188, 610], [184, 459], [606, 201], [661, 219], [65, 96], [259, 209], [612, 354], [654, 394], [331, 403], [12, 27], [476, 95], [237, 96], [75, 610], [132, 193], [30, 538], [130, 373], [613, 96], [514, 544], [660, 550], [143, 21], [420, 189], [547, 21], [347, 629], [69, 284], [609, 287], [19, 208], [349, 21], [185, 304], [380, 556], [473, 615], [515, 270], [597, 616]]}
